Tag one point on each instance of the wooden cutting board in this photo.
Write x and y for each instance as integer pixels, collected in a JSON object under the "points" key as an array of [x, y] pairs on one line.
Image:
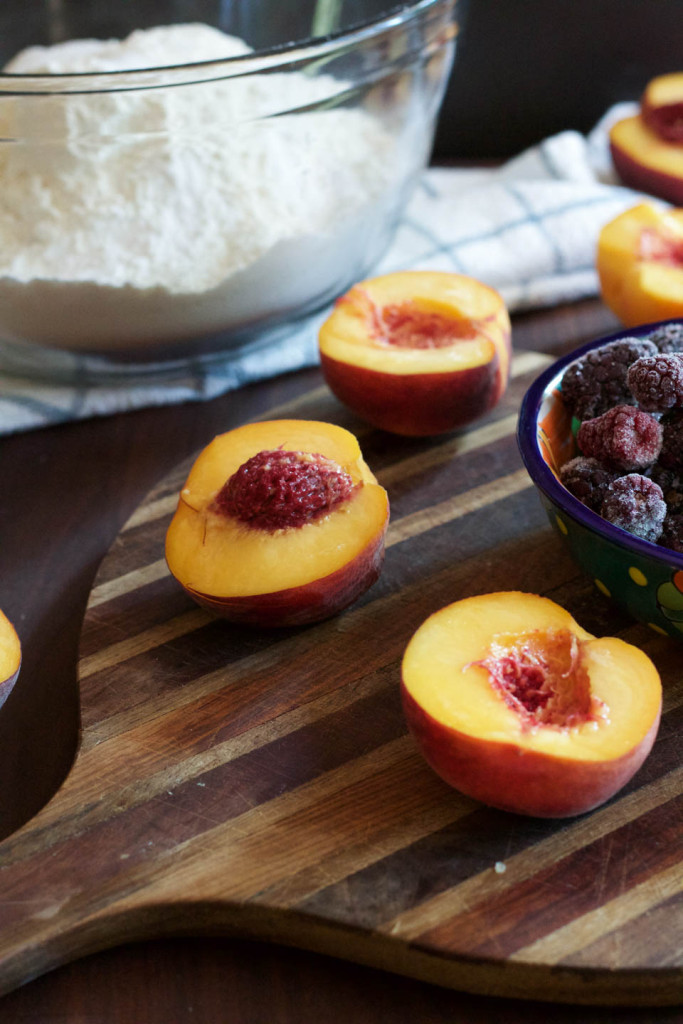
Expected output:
{"points": [[262, 783]]}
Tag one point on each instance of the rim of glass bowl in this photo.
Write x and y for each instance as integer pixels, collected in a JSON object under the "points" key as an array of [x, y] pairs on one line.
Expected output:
{"points": [[286, 56], [546, 481]]}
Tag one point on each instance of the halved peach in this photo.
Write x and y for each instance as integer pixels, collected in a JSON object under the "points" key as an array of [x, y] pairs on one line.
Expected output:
{"points": [[516, 705], [639, 261], [417, 353], [279, 523], [10, 657], [662, 106], [645, 161]]}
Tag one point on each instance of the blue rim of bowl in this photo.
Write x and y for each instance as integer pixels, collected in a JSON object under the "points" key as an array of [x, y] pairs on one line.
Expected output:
{"points": [[544, 478]]}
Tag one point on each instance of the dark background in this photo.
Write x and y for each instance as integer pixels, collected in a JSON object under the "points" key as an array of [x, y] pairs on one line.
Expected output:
{"points": [[526, 69]]}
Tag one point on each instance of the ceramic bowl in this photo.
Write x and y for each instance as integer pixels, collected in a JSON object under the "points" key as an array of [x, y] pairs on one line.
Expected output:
{"points": [[203, 198], [642, 578]]}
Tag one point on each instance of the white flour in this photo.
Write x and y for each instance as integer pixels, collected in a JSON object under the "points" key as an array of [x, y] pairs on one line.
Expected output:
{"points": [[143, 217]]}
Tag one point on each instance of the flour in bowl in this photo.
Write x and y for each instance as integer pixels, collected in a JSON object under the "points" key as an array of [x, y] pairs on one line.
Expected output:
{"points": [[141, 217]]}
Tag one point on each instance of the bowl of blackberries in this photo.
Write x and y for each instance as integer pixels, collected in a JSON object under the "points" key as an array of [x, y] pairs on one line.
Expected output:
{"points": [[601, 436]]}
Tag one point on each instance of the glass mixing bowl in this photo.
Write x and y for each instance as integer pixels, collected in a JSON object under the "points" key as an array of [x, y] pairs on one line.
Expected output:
{"points": [[226, 173]]}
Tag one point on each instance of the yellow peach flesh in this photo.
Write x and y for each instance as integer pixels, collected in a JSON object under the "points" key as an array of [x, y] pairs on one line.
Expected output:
{"points": [[665, 286], [641, 279], [280, 560], [10, 648], [664, 89], [441, 675]]}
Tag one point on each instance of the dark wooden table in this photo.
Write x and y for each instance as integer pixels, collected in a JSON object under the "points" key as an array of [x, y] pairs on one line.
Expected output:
{"points": [[60, 511]]}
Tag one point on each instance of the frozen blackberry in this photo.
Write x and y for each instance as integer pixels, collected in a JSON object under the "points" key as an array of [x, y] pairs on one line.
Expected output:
{"points": [[671, 455], [624, 438], [668, 338], [587, 479], [635, 503], [597, 381], [656, 382], [671, 483], [672, 532], [674, 501]]}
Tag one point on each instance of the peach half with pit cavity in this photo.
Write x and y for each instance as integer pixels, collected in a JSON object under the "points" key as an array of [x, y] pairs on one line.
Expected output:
{"points": [[417, 353], [280, 523], [511, 702]]}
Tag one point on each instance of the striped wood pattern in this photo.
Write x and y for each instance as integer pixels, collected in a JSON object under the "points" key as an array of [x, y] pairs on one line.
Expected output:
{"points": [[263, 783]]}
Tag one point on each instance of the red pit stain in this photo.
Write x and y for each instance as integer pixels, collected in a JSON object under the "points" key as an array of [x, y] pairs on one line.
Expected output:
{"points": [[277, 489], [657, 246], [404, 326], [667, 121], [542, 678]]}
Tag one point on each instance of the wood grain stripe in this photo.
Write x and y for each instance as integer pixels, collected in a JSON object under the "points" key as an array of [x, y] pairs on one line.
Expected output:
{"points": [[154, 510], [92, 797], [325, 814], [457, 447], [419, 921], [128, 582], [562, 943], [150, 638], [334, 868], [303, 828], [455, 508]]}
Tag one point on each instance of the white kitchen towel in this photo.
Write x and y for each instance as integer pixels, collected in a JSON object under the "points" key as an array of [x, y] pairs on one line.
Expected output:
{"points": [[528, 228]]}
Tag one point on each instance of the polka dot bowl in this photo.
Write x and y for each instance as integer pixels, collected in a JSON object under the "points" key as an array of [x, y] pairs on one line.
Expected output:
{"points": [[642, 578]]}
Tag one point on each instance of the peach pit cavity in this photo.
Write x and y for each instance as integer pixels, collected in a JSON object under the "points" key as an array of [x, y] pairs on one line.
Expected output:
{"points": [[541, 676]]}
